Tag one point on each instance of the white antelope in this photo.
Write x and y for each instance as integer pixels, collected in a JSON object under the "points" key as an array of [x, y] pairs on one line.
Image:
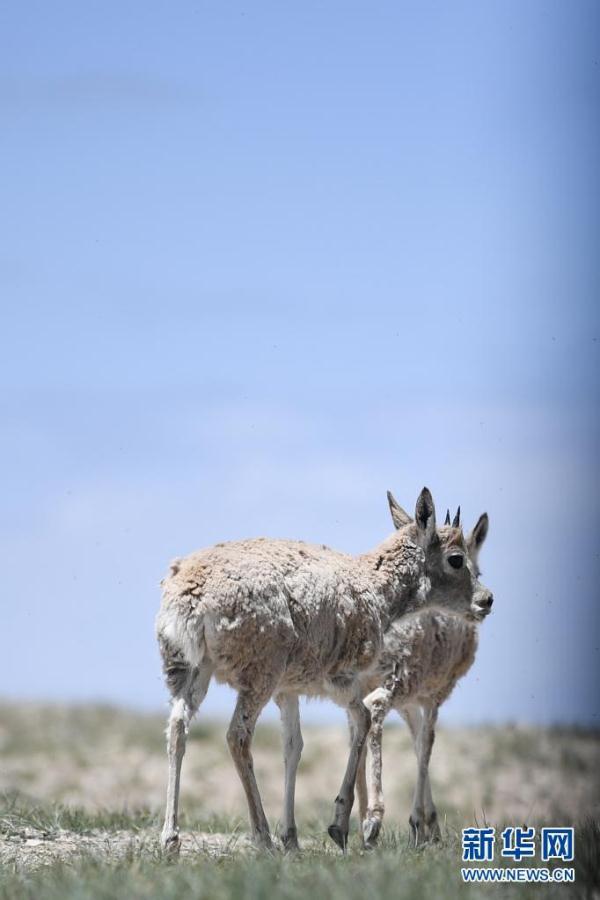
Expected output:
{"points": [[280, 619]]}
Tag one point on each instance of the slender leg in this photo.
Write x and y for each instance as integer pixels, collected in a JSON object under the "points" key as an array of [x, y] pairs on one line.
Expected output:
{"points": [[361, 777], [379, 703], [184, 706], [292, 751], [361, 721], [413, 717], [239, 737], [425, 741]]}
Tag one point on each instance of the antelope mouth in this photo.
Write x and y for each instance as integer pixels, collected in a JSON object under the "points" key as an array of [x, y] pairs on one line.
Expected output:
{"points": [[480, 613]]}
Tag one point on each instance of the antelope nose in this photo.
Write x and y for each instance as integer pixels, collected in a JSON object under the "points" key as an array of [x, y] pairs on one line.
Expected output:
{"points": [[487, 601]]}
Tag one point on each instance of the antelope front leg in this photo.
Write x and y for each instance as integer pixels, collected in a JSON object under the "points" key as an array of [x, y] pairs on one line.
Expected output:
{"points": [[361, 720], [378, 704], [361, 775], [425, 741], [430, 826], [292, 751]]}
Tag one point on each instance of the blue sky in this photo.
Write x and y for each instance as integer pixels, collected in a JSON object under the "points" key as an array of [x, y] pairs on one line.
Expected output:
{"points": [[262, 262]]}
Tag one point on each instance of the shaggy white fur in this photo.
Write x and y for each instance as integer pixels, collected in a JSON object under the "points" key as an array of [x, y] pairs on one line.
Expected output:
{"points": [[281, 618], [423, 657]]}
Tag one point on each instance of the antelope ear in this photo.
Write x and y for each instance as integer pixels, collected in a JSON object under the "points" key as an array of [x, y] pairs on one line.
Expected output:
{"points": [[425, 517], [478, 535], [399, 516]]}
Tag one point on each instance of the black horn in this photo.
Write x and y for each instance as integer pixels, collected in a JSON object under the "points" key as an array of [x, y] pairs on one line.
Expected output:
{"points": [[447, 519], [456, 522]]}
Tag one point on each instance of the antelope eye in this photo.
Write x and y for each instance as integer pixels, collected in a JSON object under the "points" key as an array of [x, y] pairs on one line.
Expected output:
{"points": [[456, 560]]}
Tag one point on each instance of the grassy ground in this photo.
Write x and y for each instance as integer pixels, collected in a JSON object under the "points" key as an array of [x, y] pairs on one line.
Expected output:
{"points": [[83, 790]]}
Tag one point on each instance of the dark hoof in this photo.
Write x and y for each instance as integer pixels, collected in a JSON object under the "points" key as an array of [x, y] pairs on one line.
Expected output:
{"points": [[171, 845], [416, 831], [263, 842], [371, 829], [340, 837], [290, 841], [433, 828]]}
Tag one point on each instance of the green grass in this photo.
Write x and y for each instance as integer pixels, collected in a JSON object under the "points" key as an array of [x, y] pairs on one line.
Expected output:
{"points": [[140, 870], [83, 814], [313, 876], [18, 813], [389, 873]]}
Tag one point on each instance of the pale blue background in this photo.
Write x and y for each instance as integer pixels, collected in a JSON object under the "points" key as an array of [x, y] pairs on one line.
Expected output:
{"points": [[261, 262]]}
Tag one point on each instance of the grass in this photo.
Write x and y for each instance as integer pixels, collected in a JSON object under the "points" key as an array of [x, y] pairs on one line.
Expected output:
{"points": [[83, 786], [314, 876], [120, 866], [18, 814]]}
